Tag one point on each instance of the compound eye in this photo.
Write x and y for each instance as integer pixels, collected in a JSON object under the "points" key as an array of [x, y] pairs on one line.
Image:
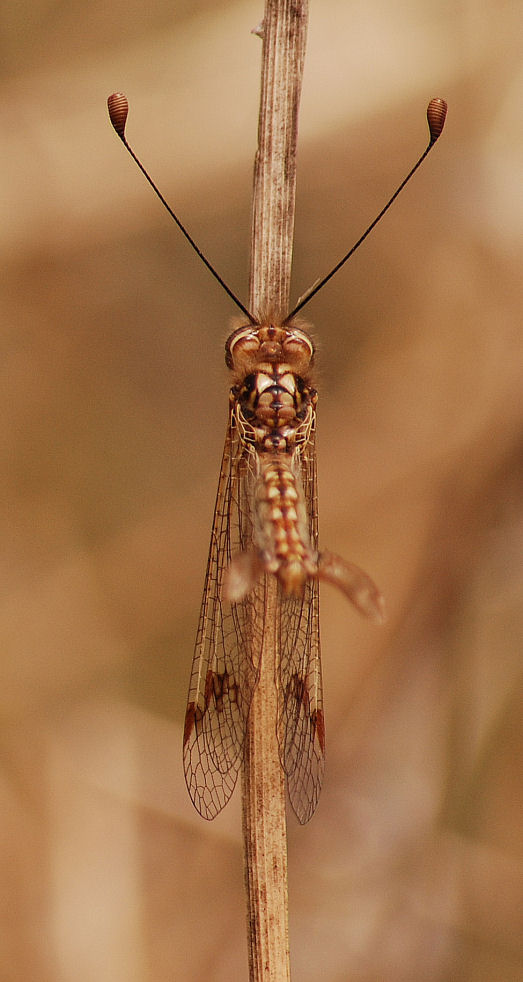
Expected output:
{"points": [[299, 349], [242, 343]]}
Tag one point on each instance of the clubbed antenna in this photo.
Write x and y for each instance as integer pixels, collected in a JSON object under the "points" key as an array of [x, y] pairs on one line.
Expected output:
{"points": [[118, 110], [436, 113]]}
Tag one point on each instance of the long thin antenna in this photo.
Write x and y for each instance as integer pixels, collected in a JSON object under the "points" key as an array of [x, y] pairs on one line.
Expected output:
{"points": [[436, 113], [118, 109]]}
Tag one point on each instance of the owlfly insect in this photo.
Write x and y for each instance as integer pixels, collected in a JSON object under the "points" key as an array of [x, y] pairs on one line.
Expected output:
{"points": [[266, 525]]}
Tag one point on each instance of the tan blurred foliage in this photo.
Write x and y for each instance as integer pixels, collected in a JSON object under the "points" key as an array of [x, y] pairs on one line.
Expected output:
{"points": [[114, 405]]}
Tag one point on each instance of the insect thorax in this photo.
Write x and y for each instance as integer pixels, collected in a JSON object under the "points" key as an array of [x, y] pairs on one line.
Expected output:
{"points": [[273, 398]]}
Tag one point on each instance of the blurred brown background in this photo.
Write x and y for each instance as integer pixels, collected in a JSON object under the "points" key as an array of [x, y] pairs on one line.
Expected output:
{"points": [[114, 400]]}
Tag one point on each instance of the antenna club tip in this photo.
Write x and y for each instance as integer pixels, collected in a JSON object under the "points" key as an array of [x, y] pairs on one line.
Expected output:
{"points": [[118, 108], [436, 115]]}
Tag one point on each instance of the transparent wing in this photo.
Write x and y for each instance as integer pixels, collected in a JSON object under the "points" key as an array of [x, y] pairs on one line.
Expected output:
{"points": [[301, 728], [228, 643]]}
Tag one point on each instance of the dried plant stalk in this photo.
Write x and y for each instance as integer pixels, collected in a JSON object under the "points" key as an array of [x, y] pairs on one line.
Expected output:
{"points": [[284, 37], [264, 826]]}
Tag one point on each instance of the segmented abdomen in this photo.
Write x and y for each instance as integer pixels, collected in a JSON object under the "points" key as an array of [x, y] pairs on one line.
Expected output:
{"points": [[281, 531]]}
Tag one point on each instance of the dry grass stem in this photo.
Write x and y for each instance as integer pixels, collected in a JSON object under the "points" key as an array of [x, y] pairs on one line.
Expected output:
{"points": [[284, 36]]}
